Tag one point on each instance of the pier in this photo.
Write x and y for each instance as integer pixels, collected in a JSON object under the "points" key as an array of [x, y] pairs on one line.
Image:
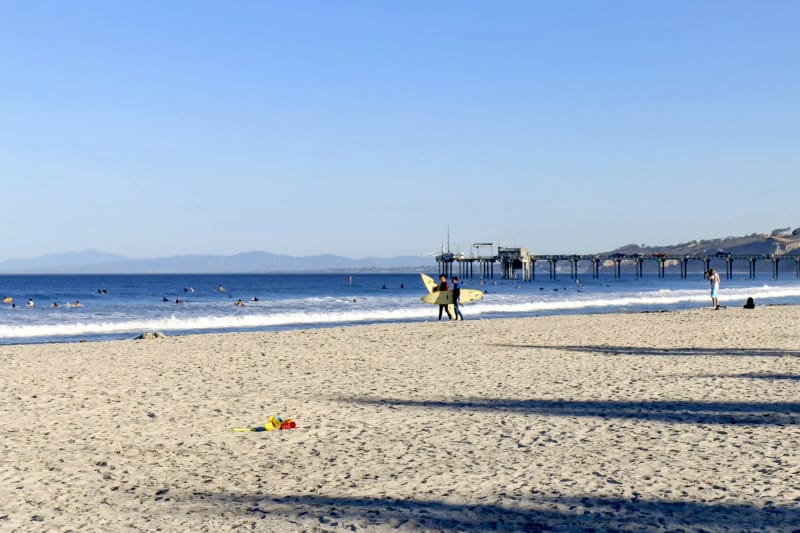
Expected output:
{"points": [[514, 261]]}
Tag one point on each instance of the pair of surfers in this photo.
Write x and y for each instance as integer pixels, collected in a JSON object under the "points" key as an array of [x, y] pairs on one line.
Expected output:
{"points": [[443, 286]]}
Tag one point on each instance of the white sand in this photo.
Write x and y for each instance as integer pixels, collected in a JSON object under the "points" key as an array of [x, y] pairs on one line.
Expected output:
{"points": [[655, 421]]}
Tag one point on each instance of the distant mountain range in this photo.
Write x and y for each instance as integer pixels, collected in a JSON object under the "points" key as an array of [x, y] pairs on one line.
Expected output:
{"points": [[94, 262], [782, 241]]}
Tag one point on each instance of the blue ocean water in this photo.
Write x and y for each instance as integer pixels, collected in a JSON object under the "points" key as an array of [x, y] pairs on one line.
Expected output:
{"points": [[123, 306]]}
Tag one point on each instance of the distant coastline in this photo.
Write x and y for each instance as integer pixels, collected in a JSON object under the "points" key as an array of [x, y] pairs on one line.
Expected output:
{"points": [[92, 262], [781, 241]]}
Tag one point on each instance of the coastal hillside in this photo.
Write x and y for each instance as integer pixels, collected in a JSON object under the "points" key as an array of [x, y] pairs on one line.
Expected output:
{"points": [[781, 241]]}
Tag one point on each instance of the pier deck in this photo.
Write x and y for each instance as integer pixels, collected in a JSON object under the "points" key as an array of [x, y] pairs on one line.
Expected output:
{"points": [[512, 261]]}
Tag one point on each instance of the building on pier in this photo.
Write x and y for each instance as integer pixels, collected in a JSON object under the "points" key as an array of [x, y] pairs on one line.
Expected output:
{"points": [[515, 259]]}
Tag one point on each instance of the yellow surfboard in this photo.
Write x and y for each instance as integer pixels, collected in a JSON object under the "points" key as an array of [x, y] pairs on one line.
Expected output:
{"points": [[429, 282], [446, 297]]}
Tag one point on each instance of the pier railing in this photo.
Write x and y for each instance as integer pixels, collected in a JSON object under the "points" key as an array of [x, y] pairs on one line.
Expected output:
{"points": [[513, 261]]}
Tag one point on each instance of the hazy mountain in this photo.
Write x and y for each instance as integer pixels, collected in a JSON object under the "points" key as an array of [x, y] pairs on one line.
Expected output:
{"points": [[782, 241], [67, 262], [92, 262]]}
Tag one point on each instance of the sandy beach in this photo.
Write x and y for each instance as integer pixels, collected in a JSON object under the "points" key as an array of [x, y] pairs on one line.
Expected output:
{"points": [[644, 421]]}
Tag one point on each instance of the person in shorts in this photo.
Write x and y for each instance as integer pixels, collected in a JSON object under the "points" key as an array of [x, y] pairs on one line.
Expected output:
{"points": [[713, 279]]}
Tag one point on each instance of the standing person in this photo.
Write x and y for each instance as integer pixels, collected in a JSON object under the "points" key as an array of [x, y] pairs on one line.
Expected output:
{"points": [[443, 287], [713, 279], [456, 296]]}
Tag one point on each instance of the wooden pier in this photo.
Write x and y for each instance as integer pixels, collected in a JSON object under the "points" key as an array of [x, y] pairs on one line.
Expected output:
{"points": [[513, 261]]}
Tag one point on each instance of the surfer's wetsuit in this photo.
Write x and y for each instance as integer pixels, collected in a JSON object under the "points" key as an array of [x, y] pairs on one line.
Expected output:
{"points": [[443, 287], [456, 296]]}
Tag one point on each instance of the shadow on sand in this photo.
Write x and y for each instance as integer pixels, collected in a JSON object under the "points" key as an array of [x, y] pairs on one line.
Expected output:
{"points": [[662, 352], [681, 412], [755, 375], [546, 513]]}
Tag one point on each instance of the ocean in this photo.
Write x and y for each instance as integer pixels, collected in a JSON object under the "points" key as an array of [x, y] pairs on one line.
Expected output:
{"points": [[124, 306]]}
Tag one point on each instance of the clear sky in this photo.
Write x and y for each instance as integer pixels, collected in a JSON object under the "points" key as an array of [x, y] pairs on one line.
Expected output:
{"points": [[364, 128]]}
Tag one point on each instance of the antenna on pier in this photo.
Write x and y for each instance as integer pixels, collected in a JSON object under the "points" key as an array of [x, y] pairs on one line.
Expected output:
{"points": [[446, 250]]}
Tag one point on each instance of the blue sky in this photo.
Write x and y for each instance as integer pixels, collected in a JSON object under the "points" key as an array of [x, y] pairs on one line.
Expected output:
{"points": [[365, 128]]}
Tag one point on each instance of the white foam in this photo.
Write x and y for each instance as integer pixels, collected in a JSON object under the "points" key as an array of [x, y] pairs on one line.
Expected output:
{"points": [[528, 304], [328, 310], [201, 323]]}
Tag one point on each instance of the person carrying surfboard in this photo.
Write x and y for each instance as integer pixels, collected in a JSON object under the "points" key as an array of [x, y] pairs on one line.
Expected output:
{"points": [[443, 287]]}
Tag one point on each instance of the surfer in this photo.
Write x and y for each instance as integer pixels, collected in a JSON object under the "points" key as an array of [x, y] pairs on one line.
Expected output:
{"points": [[239, 303], [456, 296], [30, 303], [443, 287]]}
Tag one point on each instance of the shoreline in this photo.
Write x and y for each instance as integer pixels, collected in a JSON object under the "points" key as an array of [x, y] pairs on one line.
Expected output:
{"points": [[658, 421], [274, 303], [378, 322]]}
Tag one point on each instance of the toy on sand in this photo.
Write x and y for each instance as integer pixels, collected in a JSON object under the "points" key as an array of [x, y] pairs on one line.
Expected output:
{"points": [[272, 424]]}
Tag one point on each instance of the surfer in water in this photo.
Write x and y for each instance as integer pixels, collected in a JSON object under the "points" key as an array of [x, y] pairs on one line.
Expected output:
{"points": [[443, 287]]}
